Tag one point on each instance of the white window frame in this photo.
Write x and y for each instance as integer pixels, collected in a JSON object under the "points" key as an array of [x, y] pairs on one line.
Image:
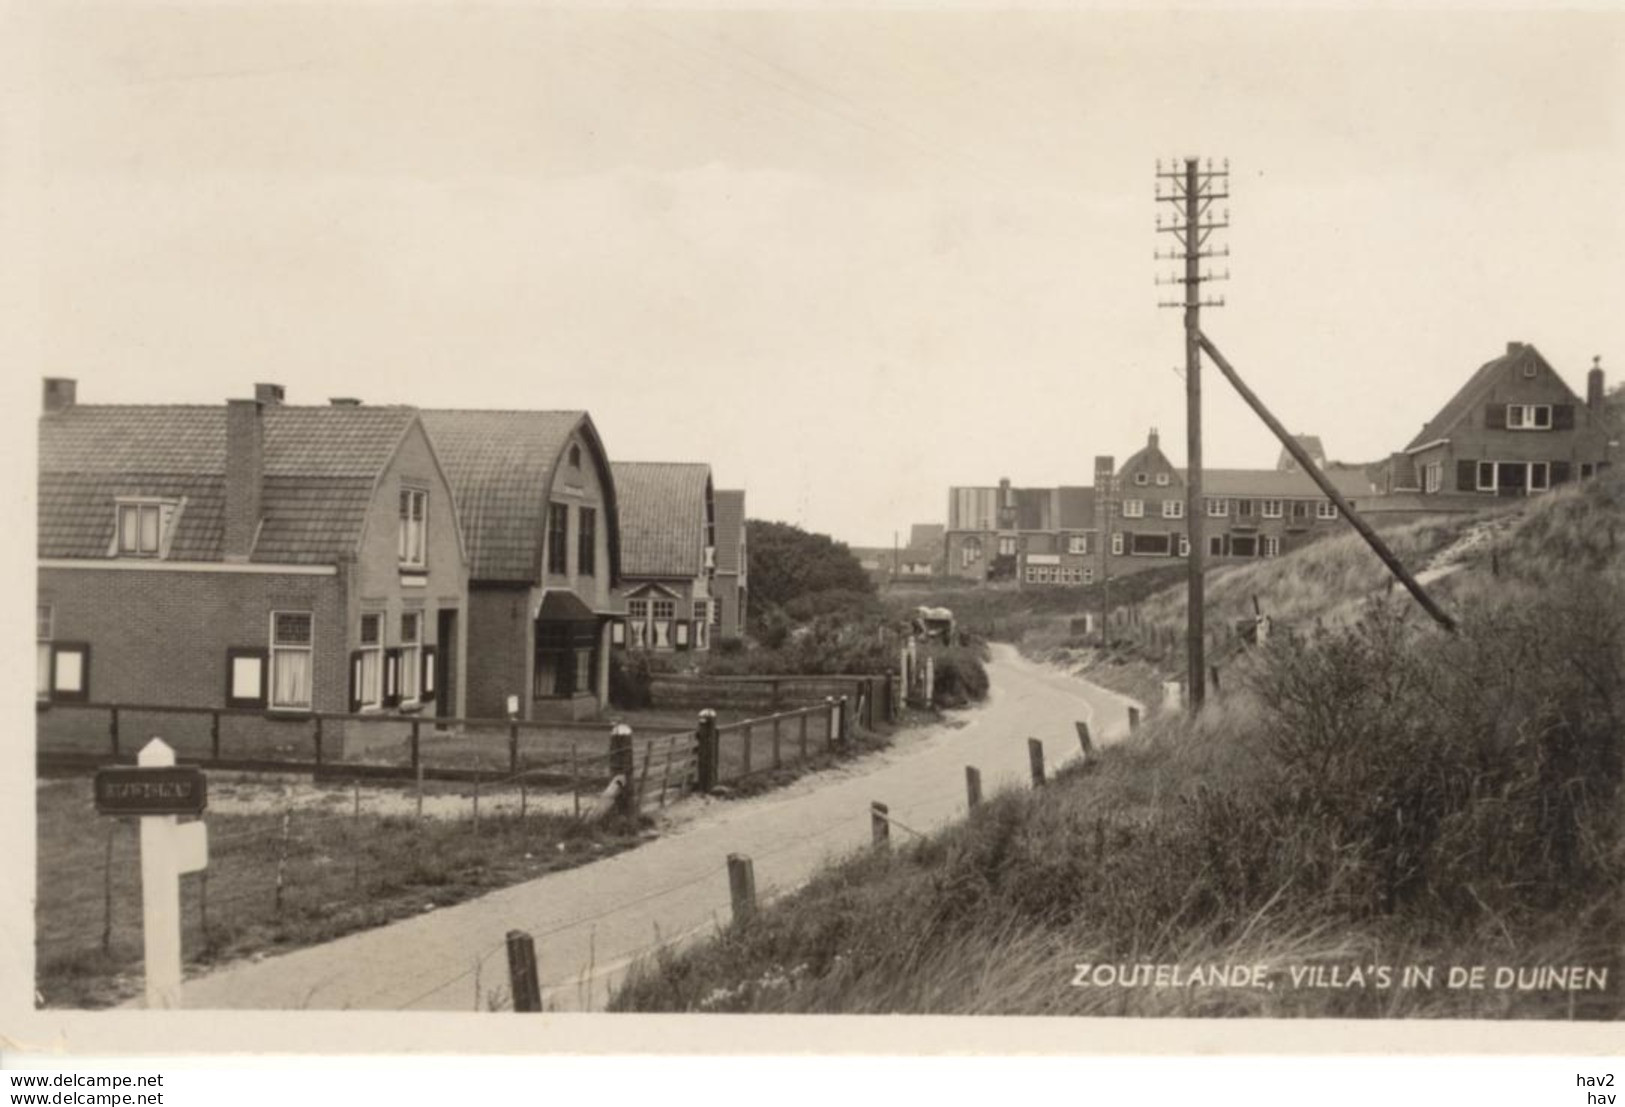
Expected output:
{"points": [[1173, 509], [1545, 471], [1529, 417], [162, 512], [1142, 478], [1479, 476], [1325, 509], [1162, 480], [1007, 546], [1088, 574], [1432, 476], [1077, 544], [307, 649], [1272, 509], [662, 614], [1272, 546], [1134, 509], [413, 546], [372, 662], [411, 658], [1117, 543], [1184, 545], [1217, 507]]}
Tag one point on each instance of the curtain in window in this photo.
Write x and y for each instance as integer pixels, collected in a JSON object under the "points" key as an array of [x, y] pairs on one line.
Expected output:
{"points": [[290, 678]]}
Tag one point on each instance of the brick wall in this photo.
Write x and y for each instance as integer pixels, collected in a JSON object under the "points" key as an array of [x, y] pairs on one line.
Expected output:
{"points": [[498, 637]]}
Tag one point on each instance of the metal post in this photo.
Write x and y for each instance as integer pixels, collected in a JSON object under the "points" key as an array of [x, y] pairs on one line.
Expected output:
{"points": [[623, 763], [705, 750]]}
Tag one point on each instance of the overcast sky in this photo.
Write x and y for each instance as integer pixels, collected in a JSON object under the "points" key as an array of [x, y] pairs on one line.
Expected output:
{"points": [[848, 258]]}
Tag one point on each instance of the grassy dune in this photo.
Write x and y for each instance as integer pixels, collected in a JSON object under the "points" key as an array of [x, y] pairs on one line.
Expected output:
{"points": [[1370, 804]]}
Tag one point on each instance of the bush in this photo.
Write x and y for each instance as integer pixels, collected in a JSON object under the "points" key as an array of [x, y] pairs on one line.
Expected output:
{"points": [[630, 677], [1458, 771], [960, 675]]}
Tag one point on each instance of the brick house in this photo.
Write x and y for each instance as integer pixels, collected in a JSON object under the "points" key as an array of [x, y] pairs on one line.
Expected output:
{"points": [[1247, 513], [668, 554], [537, 500], [730, 588], [251, 555], [1515, 428], [999, 533]]}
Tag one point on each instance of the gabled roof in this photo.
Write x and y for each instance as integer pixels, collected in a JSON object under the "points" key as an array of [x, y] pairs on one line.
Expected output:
{"points": [[730, 509], [1311, 445], [663, 517], [501, 466], [321, 466], [1468, 396]]}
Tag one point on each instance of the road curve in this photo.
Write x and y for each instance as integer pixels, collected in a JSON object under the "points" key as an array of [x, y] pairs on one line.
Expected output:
{"points": [[591, 922]]}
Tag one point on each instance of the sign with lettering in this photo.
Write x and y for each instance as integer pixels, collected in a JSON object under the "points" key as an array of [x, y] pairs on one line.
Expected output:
{"points": [[151, 791]]}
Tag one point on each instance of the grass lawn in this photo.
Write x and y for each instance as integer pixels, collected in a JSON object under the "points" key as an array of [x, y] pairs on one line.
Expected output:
{"points": [[338, 873]]}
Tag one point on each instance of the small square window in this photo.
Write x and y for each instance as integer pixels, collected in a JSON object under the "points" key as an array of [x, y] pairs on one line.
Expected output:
{"points": [[1162, 479]]}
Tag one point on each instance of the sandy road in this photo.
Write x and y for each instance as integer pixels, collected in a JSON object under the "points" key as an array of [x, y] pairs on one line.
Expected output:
{"points": [[591, 922]]}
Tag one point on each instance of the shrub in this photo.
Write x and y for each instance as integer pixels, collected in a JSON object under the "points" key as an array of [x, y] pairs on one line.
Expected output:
{"points": [[630, 677], [961, 677]]}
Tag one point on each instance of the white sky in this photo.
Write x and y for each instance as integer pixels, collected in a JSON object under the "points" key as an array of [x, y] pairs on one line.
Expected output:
{"points": [[849, 258]]}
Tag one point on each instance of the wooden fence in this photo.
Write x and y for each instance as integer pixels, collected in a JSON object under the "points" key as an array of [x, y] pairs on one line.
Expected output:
{"points": [[777, 693]]}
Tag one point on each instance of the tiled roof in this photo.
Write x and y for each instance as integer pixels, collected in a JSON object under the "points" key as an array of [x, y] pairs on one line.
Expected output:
{"points": [[1273, 483], [299, 441], [501, 464], [662, 517], [1467, 396], [320, 463], [730, 509]]}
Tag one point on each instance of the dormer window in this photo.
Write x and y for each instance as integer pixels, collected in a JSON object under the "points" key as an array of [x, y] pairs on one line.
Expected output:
{"points": [[1141, 478], [143, 527], [575, 457]]}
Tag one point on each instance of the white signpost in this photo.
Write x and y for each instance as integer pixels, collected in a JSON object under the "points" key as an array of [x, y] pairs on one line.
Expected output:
{"points": [[168, 849]]}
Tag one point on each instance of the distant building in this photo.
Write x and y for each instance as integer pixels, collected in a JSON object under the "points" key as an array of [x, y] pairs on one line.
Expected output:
{"points": [[1515, 428], [730, 588], [257, 555], [668, 554], [991, 530]]}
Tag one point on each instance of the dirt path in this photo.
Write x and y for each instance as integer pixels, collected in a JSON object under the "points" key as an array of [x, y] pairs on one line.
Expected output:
{"points": [[591, 922]]}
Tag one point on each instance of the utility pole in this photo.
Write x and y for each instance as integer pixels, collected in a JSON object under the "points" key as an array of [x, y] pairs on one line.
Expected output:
{"points": [[1104, 468], [1191, 190]]}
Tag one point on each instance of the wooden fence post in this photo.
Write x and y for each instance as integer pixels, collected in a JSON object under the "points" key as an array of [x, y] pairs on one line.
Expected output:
{"points": [[623, 763], [107, 889], [1213, 670], [742, 887], [841, 721], [1084, 739], [665, 770], [355, 836], [831, 735], [575, 782], [705, 750], [316, 735], [214, 735], [643, 778], [973, 787], [112, 730], [880, 824], [513, 746], [1035, 761], [418, 773], [522, 982], [803, 736], [477, 775], [282, 854], [1133, 718], [778, 761], [748, 735]]}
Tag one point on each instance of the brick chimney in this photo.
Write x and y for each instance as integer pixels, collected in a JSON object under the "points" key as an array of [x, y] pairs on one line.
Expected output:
{"points": [[344, 401], [1514, 348], [1593, 384], [1151, 439], [60, 393], [269, 393], [245, 473]]}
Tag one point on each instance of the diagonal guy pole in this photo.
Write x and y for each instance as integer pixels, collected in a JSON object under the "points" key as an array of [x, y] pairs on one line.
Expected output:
{"points": [[1372, 539]]}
